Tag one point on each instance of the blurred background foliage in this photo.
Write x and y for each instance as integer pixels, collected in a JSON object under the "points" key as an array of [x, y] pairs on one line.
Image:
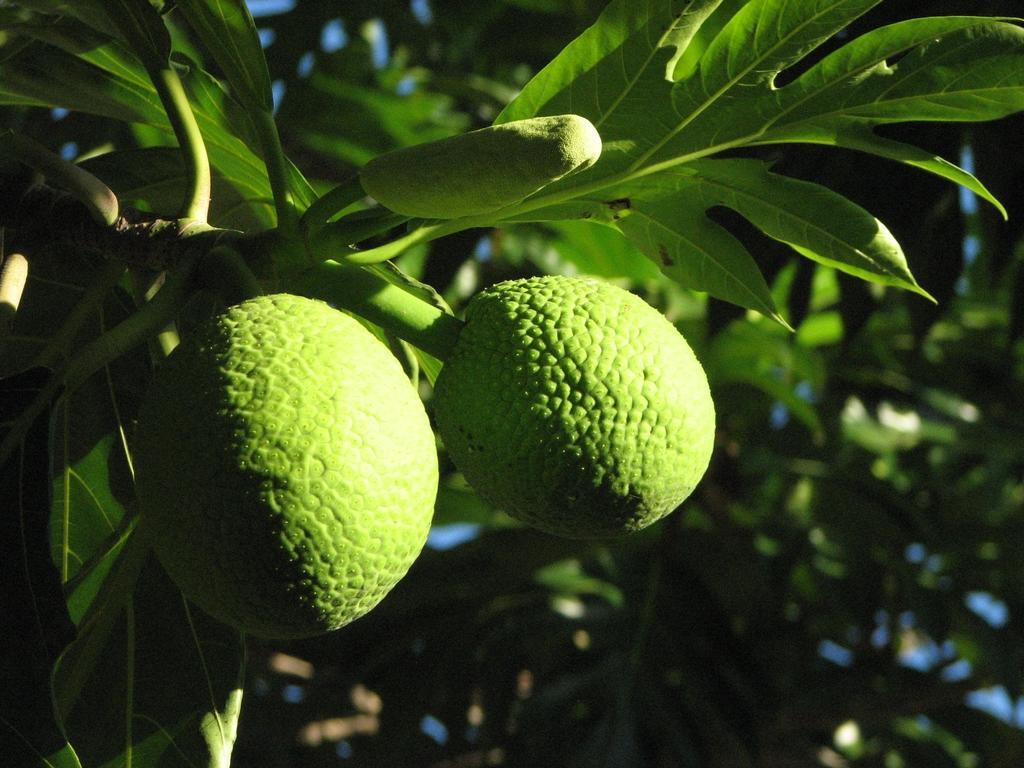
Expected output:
{"points": [[842, 590]]}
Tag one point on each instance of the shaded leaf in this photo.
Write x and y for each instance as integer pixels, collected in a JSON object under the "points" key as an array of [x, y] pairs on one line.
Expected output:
{"points": [[143, 28], [674, 231], [44, 75], [180, 714], [31, 600], [154, 179], [226, 28], [91, 12]]}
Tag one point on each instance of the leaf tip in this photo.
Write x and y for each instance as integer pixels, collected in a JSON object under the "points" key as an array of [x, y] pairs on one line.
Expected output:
{"points": [[782, 321], [922, 292]]}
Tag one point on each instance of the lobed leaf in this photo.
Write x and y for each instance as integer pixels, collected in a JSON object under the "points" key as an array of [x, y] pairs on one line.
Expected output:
{"points": [[728, 58], [673, 230], [813, 219], [667, 219]]}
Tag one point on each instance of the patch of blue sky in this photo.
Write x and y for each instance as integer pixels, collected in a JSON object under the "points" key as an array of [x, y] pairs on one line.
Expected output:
{"points": [[971, 248], [442, 537], [305, 65], [334, 36], [267, 36], [778, 416], [915, 553], [957, 671], [484, 249], [422, 11], [260, 8], [990, 608], [277, 89], [380, 48], [836, 653], [968, 200], [434, 728], [406, 85], [293, 694], [881, 635], [927, 654], [996, 701], [343, 749]]}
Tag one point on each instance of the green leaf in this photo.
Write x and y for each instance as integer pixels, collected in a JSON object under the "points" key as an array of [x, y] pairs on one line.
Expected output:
{"points": [[817, 222], [154, 179], [82, 491], [670, 227], [757, 43], [91, 12], [952, 68], [75, 68], [181, 713], [605, 70], [601, 251], [36, 621], [227, 29], [666, 218], [970, 72], [95, 82], [143, 28]]}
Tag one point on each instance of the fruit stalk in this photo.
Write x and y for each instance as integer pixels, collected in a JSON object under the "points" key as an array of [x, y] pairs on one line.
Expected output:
{"points": [[389, 306], [169, 87]]}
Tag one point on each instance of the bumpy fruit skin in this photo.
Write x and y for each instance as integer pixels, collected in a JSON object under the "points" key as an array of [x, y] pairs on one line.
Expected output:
{"points": [[287, 468], [574, 406], [481, 171]]}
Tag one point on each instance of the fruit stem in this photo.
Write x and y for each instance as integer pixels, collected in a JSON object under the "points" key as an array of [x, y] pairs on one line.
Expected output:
{"points": [[340, 236], [277, 170], [332, 202], [172, 94], [391, 307]]}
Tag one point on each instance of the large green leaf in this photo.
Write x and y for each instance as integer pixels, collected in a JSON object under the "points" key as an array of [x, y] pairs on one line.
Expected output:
{"points": [[817, 222], [36, 621], [91, 12], [142, 26], [673, 230], [226, 28], [99, 80], [154, 179], [97, 75], [619, 74], [614, 64], [119, 696]]}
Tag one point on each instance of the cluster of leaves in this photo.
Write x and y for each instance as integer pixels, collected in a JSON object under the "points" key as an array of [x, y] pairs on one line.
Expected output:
{"points": [[863, 496]]}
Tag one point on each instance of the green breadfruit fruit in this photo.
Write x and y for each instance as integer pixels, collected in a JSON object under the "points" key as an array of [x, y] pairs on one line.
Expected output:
{"points": [[286, 467], [574, 406], [481, 171]]}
